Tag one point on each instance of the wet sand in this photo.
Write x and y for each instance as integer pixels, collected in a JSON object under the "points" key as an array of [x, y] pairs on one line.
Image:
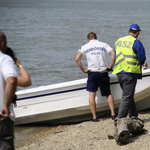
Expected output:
{"points": [[82, 136]]}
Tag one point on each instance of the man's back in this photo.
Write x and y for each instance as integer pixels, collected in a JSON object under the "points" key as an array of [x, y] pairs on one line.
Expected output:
{"points": [[95, 52]]}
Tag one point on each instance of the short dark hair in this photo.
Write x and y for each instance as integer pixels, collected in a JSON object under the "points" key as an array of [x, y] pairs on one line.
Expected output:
{"points": [[133, 31], [91, 36]]}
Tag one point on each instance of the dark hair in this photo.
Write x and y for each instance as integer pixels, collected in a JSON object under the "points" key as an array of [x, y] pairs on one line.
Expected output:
{"points": [[91, 36], [10, 52], [133, 31], [2, 37]]}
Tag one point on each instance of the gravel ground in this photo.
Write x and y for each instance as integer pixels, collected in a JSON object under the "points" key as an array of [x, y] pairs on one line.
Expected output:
{"points": [[83, 136]]}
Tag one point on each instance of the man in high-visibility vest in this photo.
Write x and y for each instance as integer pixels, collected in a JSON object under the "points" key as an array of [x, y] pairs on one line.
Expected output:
{"points": [[130, 56]]}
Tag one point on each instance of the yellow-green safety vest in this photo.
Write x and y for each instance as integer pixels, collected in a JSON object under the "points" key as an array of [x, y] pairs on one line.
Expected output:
{"points": [[126, 59]]}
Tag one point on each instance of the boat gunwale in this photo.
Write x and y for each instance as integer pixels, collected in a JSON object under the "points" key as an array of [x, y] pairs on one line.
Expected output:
{"points": [[56, 87]]}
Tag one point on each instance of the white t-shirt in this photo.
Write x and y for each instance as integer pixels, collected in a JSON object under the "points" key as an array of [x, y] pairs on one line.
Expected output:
{"points": [[7, 69], [95, 52]]}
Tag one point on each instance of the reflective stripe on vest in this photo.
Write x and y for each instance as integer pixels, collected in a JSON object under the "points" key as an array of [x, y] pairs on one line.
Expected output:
{"points": [[126, 59], [126, 56]]}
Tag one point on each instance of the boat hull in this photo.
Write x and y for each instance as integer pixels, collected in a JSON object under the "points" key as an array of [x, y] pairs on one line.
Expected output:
{"points": [[68, 101]]}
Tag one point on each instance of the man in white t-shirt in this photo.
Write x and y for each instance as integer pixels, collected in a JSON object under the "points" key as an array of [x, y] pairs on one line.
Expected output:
{"points": [[95, 52], [8, 83]]}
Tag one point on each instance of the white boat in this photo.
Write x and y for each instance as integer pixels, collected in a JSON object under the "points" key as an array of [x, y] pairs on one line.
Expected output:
{"points": [[69, 101]]}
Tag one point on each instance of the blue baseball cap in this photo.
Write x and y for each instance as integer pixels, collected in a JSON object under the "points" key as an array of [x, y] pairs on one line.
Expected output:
{"points": [[134, 27]]}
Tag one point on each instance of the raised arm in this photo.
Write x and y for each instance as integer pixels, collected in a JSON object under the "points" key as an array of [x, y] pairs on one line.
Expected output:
{"points": [[24, 79]]}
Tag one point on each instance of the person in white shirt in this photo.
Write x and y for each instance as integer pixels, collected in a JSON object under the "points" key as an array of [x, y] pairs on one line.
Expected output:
{"points": [[95, 52], [8, 84]]}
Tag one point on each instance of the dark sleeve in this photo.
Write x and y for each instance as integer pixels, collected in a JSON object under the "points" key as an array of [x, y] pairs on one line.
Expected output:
{"points": [[138, 48], [115, 50]]}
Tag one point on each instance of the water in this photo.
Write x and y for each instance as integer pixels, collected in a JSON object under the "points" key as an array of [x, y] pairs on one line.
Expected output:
{"points": [[47, 34]]}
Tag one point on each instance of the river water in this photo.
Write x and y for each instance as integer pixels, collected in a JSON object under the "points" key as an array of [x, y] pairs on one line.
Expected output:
{"points": [[47, 34]]}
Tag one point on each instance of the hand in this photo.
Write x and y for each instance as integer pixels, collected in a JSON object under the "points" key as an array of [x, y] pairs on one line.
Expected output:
{"points": [[109, 69], [144, 66], [86, 71], [17, 62], [4, 113]]}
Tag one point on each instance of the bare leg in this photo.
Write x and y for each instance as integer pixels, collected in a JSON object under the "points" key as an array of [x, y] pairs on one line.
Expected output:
{"points": [[110, 101], [92, 103]]}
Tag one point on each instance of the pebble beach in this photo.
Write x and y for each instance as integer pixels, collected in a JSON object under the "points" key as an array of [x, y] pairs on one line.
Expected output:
{"points": [[87, 135]]}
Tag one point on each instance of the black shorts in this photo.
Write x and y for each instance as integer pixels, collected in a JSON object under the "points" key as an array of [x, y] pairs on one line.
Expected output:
{"points": [[7, 134], [101, 80]]}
